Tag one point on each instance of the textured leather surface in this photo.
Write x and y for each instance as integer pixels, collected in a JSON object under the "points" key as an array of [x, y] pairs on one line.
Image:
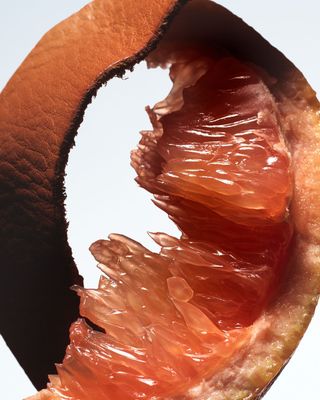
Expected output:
{"points": [[40, 110]]}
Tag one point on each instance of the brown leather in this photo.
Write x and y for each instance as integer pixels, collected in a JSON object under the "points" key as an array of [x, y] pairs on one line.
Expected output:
{"points": [[40, 111]]}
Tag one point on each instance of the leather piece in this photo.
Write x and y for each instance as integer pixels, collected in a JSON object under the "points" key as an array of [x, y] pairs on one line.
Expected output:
{"points": [[40, 110]]}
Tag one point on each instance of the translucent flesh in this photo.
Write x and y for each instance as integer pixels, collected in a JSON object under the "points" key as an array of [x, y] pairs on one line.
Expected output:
{"points": [[218, 165]]}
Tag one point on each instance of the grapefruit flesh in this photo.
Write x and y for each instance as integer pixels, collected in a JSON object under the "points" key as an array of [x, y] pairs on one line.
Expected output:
{"points": [[221, 170], [218, 164]]}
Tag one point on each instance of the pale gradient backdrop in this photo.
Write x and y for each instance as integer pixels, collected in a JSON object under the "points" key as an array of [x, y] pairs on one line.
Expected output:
{"points": [[101, 194]]}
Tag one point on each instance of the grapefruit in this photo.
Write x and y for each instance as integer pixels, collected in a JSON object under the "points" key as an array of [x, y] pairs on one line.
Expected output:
{"points": [[218, 312]]}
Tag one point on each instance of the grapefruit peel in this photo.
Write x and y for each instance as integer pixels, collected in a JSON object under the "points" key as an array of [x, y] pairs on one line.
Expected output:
{"points": [[272, 338]]}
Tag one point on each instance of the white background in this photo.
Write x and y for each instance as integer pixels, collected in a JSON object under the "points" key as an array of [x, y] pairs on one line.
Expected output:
{"points": [[101, 194]]}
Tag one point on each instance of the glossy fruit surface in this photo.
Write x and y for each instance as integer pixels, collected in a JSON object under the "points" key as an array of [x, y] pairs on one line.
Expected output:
{"points": [[170, 320], [177, 286]]}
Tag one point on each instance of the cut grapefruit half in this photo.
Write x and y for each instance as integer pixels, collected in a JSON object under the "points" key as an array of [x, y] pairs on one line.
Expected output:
{"points": [[232, 158]]}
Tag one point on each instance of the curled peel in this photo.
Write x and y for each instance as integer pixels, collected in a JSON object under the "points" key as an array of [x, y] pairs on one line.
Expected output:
{"points": [[37, 137], [37, 263]]}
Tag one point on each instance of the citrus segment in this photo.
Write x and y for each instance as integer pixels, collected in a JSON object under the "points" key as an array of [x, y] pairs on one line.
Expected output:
{"points": [[170, 320], [224, 147], [154, 343], [220, 167]]}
